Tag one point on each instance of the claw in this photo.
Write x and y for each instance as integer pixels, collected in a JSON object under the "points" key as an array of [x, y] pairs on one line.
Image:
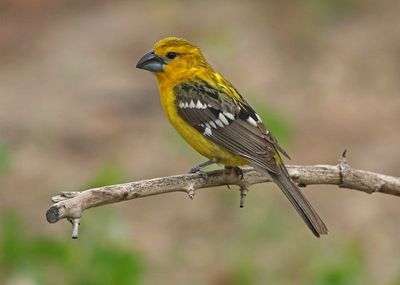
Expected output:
{"points": [[194, 169]]}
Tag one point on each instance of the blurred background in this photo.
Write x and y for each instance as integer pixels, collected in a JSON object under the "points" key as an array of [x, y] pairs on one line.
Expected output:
{"points": [[76, 113]]}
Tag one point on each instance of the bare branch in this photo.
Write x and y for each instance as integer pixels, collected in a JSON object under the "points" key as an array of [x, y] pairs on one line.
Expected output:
{"points": [[71, 205]]}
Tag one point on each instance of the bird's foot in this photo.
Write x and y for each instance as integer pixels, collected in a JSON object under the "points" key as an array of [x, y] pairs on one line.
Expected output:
{"points": [[197, 170], [237, 170]]}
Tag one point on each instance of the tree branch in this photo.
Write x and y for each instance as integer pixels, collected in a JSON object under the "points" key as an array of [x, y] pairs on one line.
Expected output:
{"points": [[70, 205]]}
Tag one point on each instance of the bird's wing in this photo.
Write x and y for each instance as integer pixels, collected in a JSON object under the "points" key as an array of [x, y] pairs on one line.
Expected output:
{"points": [[229, 123], [234, 125]]}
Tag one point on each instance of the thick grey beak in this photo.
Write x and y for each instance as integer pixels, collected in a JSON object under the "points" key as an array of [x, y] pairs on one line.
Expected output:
{"points": [[151, 62]]}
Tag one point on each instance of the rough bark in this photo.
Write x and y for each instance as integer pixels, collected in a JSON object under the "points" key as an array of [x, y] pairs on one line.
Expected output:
{"points": [[70, 205]]}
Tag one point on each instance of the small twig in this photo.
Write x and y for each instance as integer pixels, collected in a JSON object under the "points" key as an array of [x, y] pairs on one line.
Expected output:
{"points": [[75, 227], [343, 166], [191, 191], [71, 205], [243, 193]]}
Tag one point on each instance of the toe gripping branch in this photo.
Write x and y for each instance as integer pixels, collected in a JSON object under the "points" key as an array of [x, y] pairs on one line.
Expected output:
{"points": [[235, 172]]}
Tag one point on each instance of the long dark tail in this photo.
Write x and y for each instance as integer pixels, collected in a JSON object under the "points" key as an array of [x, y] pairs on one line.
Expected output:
{"points": [[298, 200]]}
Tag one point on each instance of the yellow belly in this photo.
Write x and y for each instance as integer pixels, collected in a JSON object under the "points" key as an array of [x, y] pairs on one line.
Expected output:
{"points": [[200, 143]]}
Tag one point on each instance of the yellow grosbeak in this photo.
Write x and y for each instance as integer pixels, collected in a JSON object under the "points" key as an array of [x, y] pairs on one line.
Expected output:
{"points": [[211, 115]]}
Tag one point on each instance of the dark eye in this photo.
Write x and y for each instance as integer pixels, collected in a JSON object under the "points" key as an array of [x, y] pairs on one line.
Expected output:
{"points": [[171, 55]]}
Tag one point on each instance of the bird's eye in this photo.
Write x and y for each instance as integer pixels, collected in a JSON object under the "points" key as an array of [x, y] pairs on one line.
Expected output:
{"points": [[171, 55]]}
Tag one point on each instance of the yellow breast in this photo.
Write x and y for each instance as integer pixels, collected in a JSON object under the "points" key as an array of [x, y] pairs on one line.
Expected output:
{"points": [[199, 142]]}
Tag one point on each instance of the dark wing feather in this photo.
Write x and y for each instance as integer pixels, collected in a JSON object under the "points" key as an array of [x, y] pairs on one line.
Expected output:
{"points": [[233, 125]]}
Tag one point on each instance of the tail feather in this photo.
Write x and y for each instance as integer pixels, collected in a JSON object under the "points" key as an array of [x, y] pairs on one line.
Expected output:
{"points": [[298, 200]]}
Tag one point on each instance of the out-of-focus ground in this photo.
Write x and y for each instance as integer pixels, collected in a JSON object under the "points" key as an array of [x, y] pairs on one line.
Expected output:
{"points": [[75, 111]]}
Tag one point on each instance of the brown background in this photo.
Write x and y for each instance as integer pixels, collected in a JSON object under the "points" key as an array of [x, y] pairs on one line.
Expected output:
{"points": [[72, 103]]}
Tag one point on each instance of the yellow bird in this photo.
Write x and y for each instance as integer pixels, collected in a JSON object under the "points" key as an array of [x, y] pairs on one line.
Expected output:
{"points": [[211, 115]]}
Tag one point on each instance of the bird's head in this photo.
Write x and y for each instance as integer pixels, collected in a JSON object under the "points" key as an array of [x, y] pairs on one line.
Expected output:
{"points": [[172, 56]]}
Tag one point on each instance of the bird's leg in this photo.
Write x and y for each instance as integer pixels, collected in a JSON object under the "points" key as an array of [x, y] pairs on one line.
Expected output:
{"points": [[198, 168]]}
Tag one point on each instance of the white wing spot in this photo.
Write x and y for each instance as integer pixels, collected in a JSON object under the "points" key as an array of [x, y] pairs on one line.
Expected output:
{"points": [[207, 132], [181, 104], [251, 121], [223, 119], [199, 105], [186, 105], [258, 118], [192, 105], [219, 123], [212, 124], [229, 116]]}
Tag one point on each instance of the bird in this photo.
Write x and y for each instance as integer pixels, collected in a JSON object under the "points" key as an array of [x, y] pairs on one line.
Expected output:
{"points": [[217, 121]]}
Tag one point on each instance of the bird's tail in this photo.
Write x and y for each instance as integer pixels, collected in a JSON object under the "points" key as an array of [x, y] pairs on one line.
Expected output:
{"points": [[298, 200]]}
